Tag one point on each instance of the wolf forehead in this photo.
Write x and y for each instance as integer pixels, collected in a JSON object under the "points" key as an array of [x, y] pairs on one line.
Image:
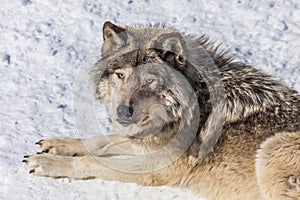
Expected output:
{"points": [[132, 59]]}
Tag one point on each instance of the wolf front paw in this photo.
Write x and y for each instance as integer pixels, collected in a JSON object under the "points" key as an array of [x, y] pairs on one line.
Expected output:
{"points": [[49, 165], [57, 166], [62, 146]]}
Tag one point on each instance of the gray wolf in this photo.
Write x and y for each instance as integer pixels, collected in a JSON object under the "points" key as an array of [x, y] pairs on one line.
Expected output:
{"points": [[153, 93]]}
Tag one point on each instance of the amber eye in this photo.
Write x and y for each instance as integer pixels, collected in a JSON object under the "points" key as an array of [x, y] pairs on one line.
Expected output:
{"points": [[120, 75], [150, 80], [180, 59]]}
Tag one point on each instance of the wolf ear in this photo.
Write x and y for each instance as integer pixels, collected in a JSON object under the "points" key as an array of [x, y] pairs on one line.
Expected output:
{"points": [[173, 47], [110, 29], [114, 37]]}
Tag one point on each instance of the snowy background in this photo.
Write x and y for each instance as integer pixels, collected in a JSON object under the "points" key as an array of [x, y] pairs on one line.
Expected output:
{"points": [[45, 45]]}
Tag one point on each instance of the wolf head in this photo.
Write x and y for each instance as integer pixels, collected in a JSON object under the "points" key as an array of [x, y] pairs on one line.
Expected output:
{"points": [[139, 79], [139, 109]]}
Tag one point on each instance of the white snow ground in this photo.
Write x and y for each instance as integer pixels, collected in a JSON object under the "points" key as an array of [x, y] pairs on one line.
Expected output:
{"points": [[46, 44]]}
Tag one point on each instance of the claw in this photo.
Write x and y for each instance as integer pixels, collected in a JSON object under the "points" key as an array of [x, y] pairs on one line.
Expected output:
{"points": [[25, 161], [44, 151], [26, 156], [31, 171], [39, 142]]}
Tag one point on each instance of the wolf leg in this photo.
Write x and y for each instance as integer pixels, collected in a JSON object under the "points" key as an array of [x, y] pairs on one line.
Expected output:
{"points": [[86, 167], [79, 147], [278, 166]]}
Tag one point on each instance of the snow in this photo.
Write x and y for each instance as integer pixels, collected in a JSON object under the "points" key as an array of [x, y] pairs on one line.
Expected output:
{"points": [[48, 46]]}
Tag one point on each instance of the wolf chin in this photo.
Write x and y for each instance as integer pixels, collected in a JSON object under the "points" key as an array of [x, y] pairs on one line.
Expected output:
{"points": [[154, 94]]}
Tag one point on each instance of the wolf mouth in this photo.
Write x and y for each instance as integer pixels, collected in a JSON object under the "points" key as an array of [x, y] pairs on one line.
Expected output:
{"points": [[125, 122], [128, 122]]}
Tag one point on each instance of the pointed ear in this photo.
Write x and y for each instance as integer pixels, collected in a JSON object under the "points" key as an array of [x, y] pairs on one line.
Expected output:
{"points": [[173, 47], [110, 29], [114, 38]]}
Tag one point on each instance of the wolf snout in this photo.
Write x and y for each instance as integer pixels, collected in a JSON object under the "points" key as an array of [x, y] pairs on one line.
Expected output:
{"points": [[124, 114]]}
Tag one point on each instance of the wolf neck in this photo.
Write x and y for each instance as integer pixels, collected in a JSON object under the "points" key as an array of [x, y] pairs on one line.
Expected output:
{"points": [[249, 92]]}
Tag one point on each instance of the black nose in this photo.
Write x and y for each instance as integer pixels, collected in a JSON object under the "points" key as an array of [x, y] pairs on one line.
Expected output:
{"points": [[124, 112]]}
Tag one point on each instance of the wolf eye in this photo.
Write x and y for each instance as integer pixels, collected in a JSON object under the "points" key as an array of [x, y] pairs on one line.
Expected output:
{"points": [[180, 59], [120, 75], [149, 80]]}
